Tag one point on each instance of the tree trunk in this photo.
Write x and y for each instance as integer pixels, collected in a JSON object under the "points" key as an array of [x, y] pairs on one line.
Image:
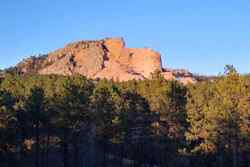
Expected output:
{"points": [[220, 159], [235, 154], [8, 155], [121, 155], [104, 154], [76, 153], [21, 143], [11, 160], [47, 147], [65, 148], [76, 150], [37, 146], [43, 155]]}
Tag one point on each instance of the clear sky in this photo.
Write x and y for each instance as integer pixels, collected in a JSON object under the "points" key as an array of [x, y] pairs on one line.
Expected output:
{"points": [[200, 35]]}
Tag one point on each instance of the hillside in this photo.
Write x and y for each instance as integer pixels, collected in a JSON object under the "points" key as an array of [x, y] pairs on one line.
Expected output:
{"points": [[97, 59]]}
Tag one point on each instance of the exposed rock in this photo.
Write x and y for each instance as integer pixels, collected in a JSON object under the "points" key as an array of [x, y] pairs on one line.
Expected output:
{"points": [[187, 80], [32, 64], [182, 75], [107, 58], [1, 74], [115, 46], [168, 75], [145, 61], [119, 72], [84, 57]]}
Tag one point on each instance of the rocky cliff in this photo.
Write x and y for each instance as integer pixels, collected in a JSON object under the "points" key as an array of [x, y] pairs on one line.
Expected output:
{"points": [[108, 58]]}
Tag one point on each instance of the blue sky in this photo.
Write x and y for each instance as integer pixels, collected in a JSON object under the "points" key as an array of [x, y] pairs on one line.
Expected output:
{"points": [[199, 35]]}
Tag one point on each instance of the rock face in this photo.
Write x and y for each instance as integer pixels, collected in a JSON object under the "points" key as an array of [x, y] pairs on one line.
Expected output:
{"points": [[180, 75], [108, 58], [1, 74]]}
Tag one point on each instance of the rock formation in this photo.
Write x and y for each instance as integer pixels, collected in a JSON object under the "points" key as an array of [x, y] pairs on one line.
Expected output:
{"points": [[1, 74], [181, 75], [108, 58]]}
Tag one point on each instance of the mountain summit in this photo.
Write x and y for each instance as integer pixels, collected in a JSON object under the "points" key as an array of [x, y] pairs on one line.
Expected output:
{"points": [[107, 58]]}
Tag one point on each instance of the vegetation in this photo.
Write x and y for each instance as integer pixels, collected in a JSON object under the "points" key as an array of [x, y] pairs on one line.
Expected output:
{"points": [[73, 122]]}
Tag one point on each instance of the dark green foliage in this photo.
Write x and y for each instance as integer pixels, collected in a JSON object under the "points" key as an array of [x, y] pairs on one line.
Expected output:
{"points": [[72, 121], [218, 113]]}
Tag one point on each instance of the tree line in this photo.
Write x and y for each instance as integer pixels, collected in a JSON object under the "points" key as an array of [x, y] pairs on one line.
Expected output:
{"points": [[72, 121]]}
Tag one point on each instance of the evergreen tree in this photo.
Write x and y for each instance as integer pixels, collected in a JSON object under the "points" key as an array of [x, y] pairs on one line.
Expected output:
{"points": [[35, 106]]}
